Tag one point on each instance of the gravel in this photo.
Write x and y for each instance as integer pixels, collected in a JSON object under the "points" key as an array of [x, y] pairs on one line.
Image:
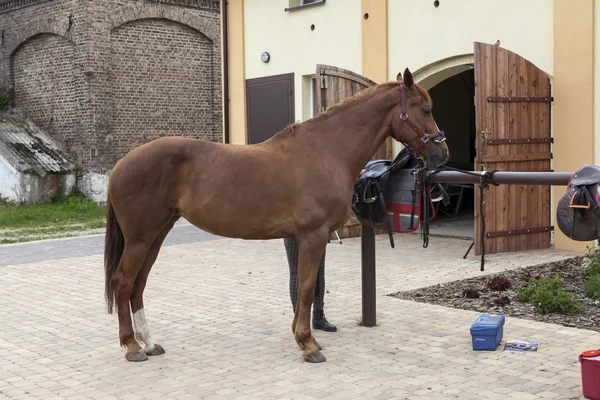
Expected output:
{"points": [[571, 271]]}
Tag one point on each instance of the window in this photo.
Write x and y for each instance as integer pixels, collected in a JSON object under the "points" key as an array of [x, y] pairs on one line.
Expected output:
{"points": [[299, 4], [313, 97], [309, 96]]}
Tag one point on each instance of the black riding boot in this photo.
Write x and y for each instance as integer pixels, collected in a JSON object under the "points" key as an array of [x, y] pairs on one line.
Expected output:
{"points": [[319, 322]]}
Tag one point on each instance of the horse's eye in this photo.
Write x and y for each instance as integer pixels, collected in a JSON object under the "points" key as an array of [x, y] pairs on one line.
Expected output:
{"points": [[427, 110]]}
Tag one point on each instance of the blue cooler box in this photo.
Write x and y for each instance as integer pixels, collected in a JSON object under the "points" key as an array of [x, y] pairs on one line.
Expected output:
{"points": [[487, 332]]}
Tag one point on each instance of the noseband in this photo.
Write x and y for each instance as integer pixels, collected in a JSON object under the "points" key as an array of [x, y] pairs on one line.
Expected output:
{"points": [[437, 136]]}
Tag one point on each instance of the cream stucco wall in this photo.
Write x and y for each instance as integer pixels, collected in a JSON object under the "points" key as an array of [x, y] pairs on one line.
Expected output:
{"points": [[294, 47], [421, 34], [597, 82], [561, 37]]}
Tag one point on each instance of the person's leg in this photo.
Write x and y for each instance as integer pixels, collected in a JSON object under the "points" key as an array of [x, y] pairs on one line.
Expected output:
{"points": [[291, 249], [319, 321]]}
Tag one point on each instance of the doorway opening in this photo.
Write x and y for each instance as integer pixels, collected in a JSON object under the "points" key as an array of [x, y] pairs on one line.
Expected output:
{"points": [[454, 112]]}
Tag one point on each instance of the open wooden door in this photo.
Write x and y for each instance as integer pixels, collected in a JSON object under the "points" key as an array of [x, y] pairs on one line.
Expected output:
{"points": [[334, 85], [512, 107]]}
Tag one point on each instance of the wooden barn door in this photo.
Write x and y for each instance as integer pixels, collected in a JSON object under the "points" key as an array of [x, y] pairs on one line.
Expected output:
{"points": [[334, 85], [512, 101]]}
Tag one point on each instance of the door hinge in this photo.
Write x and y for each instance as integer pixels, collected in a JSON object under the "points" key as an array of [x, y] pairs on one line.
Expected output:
{"points": [[520, 99], [323, 82], [524, 231]]}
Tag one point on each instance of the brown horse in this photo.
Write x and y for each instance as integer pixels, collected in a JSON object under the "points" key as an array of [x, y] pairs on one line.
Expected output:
{"points": [[298, 183]]}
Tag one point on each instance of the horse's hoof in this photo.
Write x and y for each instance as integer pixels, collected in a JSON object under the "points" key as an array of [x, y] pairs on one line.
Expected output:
{"points": [[315, 357], [156, 350], [137, 356], [317, 344]]}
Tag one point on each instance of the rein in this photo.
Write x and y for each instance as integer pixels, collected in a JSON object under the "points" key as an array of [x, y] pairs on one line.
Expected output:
{"points": [[422, 177], [438, 136], [485, 179]]}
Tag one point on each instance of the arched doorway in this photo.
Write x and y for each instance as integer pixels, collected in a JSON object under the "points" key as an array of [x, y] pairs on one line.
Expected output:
{"points": [[454, 111], [495, 107]]}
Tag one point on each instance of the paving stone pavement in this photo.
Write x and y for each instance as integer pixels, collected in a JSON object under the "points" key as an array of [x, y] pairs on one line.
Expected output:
{"points": [[221, 310]]}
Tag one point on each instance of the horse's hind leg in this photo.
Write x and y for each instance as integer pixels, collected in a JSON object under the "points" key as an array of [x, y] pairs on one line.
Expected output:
{"points": [[142, 331], [131, 262]]}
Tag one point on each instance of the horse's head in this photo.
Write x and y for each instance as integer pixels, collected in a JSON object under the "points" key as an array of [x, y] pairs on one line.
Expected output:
{"points": [[414, 126]]}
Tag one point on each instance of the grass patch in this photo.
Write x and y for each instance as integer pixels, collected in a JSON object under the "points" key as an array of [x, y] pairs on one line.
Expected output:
{"points": [[35, 238], [58, 219], [73, 210], [48, 230]]}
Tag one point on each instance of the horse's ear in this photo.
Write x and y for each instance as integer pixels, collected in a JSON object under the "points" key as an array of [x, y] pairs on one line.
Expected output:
{"points": [[399, 76], [408, 79]]}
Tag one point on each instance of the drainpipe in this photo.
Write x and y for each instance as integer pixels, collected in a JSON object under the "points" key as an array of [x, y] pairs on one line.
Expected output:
{"points": [[225, 72]]}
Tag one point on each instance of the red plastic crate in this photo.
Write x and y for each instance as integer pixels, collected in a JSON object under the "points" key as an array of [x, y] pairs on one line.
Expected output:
{"points": [[590, 374]]}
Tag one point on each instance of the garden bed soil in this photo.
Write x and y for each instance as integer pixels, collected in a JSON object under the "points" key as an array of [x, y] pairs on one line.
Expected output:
{"points": [[571, 271]]}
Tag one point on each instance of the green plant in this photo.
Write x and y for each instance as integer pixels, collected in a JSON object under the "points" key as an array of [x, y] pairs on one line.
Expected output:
{"points": [[592, 287], [547, 295], [593, 267]]}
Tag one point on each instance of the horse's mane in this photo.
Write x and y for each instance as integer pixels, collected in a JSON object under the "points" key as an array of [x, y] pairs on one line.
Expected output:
{"points": [[347, 102]]}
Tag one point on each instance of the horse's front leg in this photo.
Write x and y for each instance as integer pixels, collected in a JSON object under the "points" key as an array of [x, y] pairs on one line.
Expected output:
{"points": [[310, 250]]}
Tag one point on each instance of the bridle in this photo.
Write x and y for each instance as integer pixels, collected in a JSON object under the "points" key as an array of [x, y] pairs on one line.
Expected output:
{"points": [[437, 136]]}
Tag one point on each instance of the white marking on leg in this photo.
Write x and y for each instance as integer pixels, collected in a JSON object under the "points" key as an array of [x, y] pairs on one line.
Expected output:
{"points": [[142, 331]]}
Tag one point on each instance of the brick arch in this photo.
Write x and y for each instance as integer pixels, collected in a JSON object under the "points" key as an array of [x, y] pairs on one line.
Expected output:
{"points": [[46, 83], [154, 11], [158, 88], [36, 28]]}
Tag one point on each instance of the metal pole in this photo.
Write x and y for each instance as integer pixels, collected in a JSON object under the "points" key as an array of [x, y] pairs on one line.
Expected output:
{"points": [[503, 178], [367, 247], [369, 315]]}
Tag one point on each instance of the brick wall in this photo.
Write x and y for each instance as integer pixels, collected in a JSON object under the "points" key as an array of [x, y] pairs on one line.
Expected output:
{"points": [[48, 86], [162, 79], [104, 76]]}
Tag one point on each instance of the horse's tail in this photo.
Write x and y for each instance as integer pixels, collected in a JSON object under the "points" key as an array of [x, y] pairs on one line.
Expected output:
{"points": [[114, 243]]}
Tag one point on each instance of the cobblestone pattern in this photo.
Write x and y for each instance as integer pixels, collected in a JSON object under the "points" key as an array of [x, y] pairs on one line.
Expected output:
{"points": [[221, 310]]}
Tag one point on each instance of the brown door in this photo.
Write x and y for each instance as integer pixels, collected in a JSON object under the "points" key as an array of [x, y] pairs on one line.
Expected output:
{"points": [[269, 105], [334, 85], [512, 101]]}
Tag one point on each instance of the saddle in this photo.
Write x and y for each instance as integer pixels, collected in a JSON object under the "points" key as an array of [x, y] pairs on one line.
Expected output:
{"points": [[390, 195], [578, 211]]}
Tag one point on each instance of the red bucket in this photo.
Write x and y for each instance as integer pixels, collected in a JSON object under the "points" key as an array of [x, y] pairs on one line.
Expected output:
{"points": [[590, 374]]}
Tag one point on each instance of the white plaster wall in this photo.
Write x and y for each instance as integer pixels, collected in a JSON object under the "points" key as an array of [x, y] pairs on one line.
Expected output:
{"points": [[69, 183], [31, 186], [93, 185], [20, 187], [9, 182], [421, 34], [293, 47]]}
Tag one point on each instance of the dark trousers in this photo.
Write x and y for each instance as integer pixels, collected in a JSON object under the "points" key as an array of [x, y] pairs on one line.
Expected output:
{"points": [[291, 248]]}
